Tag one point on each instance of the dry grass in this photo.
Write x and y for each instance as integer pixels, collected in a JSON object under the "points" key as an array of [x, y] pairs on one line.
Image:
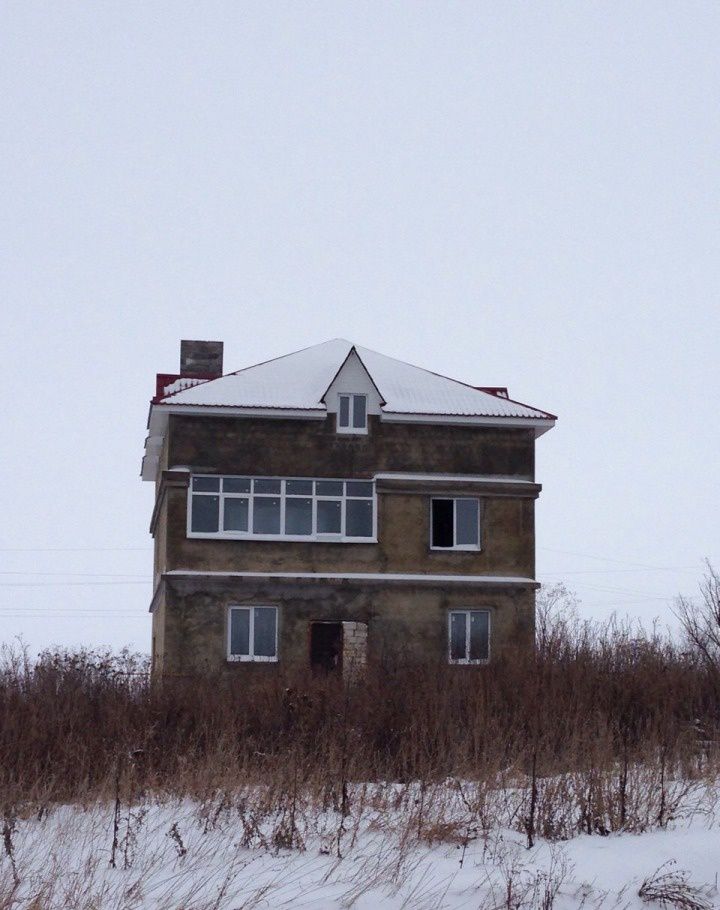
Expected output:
{"points": [[670, 887], [605, 728]]}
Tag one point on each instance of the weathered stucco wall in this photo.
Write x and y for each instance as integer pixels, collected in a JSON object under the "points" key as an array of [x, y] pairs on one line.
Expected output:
{"points": [[403, 543], [312, 448], [158, 645], [406, 622]]}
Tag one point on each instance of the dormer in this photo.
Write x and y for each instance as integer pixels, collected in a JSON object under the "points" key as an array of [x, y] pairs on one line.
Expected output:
{"points": [[352, 396]]}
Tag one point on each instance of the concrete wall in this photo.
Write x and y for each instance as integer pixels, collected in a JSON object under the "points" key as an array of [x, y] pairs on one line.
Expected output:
{"points": [[406, 622], [507, 529], [312, 448]]}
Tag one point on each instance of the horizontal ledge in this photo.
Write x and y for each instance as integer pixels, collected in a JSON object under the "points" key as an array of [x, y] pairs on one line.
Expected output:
{"points": [[320, 413], [278, 538], [226, 410], [450, 478], [457, 484], [540, 424], [363, 577]]}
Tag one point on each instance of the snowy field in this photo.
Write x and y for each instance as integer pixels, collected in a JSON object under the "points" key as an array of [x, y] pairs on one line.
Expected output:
{"points": [[174, 855]]}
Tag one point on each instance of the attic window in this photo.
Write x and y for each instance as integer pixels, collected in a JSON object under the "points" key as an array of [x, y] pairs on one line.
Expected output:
{"points": [[352, 414]]}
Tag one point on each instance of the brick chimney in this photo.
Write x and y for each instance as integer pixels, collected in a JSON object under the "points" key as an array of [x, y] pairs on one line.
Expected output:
{"points": [[203, 359], [199, 361]]}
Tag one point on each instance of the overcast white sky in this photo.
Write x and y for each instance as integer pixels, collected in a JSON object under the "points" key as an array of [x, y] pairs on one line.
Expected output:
{"points": [[508, 193]]}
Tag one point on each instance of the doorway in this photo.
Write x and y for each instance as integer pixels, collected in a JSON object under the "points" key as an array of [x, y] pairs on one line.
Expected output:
{"points": [[326, 646]]}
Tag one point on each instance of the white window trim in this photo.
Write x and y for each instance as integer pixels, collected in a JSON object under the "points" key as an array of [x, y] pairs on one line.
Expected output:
{"points": [[467, 547], [251, 658], [358, 431], [282, 495], [466, 611]]}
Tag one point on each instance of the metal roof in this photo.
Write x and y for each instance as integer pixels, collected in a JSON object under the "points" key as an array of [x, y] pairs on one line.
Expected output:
{"points": [[299, 381]]}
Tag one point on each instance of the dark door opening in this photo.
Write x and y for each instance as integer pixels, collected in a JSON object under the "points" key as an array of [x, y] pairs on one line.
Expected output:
{"points": [[326, 646]]}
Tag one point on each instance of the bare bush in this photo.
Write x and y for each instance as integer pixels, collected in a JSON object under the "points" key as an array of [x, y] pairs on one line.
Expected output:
{"points": [[597, 732], [669, 885]]}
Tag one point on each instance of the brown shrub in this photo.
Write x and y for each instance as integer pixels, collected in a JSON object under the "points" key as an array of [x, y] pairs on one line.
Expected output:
{"points": [[598, 726]]}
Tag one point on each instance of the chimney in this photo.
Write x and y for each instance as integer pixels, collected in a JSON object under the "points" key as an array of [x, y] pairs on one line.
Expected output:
{"points": [[203, 359]]}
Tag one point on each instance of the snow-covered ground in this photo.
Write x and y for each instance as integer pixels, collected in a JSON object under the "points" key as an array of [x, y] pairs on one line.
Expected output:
{"points": [[174, 855]]}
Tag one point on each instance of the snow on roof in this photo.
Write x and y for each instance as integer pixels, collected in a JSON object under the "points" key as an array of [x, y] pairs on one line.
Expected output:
{"points": [[299, 381]]}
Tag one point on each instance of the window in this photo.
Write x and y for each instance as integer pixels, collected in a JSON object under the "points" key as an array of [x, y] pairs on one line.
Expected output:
{"points": [[252, 633], [273, 508], [468, 636], [455, 524], [352, 414]]}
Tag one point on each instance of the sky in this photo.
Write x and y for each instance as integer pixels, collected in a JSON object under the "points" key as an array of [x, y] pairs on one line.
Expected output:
{"points": [[507, 193]]}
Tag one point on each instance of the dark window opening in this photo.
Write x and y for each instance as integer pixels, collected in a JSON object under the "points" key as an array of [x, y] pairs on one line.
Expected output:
{"points": [[443, 523]]}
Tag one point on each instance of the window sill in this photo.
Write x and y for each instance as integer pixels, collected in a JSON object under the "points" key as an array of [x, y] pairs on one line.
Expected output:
{"points": [[280, 538], [467, 549], [353, 432], [469, 663], [243, 659]]}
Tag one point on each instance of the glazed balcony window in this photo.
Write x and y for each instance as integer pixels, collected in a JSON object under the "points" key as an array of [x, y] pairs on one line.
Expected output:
{"points": [[273, 508]]}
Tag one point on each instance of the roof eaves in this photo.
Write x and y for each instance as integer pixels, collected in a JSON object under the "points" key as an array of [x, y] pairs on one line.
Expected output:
{"points": [[316, 412]]}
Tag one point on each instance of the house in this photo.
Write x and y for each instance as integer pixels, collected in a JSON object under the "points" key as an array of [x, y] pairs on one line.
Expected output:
{"points": [[335, 506]]}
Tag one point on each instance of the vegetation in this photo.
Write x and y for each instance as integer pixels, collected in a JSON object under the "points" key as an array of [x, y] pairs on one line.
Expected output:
{"points": [[594, 704], [607, 727]]}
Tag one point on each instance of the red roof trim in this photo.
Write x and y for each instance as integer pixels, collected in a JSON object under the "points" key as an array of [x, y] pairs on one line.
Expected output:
{"points": [[163, 380]]}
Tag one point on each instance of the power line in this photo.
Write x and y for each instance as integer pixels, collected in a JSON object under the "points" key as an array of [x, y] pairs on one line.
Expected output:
{"points": [[628, 591], [66, 584], [72, 549], [620, 571], [623, 562], [82, 574]]}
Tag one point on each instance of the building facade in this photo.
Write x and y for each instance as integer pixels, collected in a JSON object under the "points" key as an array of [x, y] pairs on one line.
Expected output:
{"points": [[334, 507]]}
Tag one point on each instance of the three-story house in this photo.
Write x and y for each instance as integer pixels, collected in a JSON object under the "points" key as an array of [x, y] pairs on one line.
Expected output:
{"points": [[335, 506]]}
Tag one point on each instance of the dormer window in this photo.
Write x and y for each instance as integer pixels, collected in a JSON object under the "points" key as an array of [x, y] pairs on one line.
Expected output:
{"points": [[352, 413]]}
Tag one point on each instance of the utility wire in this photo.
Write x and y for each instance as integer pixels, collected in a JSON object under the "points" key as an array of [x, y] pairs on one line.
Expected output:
{"points": [[71, 549], [82, 574], [621, 571], [623, 562], [64, 584]]}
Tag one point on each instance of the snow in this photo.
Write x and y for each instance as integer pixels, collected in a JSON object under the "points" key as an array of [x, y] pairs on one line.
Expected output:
{"points": [[408, 389], [301, 379], [184, 854], [180, 384], [296, 380]]}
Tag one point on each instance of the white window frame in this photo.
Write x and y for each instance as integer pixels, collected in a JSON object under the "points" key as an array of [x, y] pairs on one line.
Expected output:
{"points": [[467, 612], [475, 548], [313, 537], [352, 396], [251, 658]]}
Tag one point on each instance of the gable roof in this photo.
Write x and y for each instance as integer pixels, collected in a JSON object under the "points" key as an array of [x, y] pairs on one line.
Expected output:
{"points": [[299, 381]]}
